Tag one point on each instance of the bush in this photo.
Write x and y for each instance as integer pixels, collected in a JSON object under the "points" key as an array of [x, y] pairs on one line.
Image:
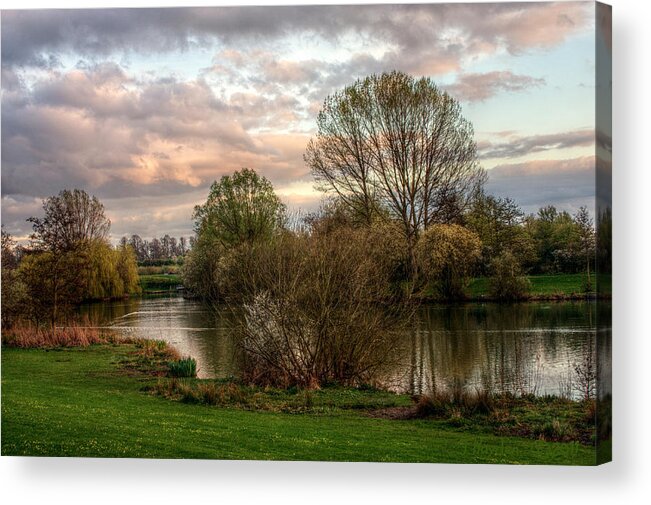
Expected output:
{"points": [[186, 367], [446, 256], [507, 282], [311, 314]]}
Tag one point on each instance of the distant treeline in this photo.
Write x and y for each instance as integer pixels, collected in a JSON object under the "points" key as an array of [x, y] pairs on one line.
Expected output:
{"points": [[158, 251]]}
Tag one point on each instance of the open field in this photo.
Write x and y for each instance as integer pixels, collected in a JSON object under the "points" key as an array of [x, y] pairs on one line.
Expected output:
{"points": [[87, 402]]}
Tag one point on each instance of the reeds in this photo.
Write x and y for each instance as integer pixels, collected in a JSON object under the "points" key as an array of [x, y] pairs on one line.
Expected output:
{"points": [[28, 336], [457, 401]]}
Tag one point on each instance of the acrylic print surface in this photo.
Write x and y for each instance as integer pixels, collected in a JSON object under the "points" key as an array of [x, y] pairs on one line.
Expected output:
{"points": [[336, 233]]}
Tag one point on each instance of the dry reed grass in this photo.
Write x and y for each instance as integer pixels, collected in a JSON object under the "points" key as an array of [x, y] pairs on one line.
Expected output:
{"points": [[28, 336]]}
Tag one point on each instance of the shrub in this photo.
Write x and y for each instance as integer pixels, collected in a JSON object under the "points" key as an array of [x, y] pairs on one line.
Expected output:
{"points": [[186, 367], [446, 255], [311, 315], [507, 282]]}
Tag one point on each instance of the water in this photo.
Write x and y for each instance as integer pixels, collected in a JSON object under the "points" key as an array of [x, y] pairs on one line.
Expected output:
{"points": [[523, 348]]}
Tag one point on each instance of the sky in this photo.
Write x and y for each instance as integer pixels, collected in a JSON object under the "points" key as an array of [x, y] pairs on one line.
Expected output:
{"points": [[145, 108]]}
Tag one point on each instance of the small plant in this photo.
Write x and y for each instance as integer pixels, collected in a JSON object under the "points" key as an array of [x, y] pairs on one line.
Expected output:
{"points": [[209, 393], [185, 367], [458, 402], [308, 398], [556, 430]]}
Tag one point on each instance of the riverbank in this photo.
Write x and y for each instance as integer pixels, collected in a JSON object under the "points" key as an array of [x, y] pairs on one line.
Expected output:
{"points": [[159, 283], [547, 287], [104, 401], [543, 287]]}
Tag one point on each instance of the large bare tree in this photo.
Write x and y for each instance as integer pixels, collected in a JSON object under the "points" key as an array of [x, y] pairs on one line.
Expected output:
{"points": [[398, 143], [70, 218]]}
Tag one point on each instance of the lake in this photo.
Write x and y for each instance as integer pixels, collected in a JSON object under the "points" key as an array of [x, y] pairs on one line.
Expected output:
{"points": [[534, 347]]}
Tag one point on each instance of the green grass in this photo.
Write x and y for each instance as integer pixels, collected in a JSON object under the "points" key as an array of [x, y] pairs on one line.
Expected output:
{"points": [[541, 285], [84, 402], [159, 282]]}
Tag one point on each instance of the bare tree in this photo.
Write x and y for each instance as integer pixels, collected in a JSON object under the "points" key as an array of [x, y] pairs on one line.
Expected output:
{"points": [[70, 218], [311, 314], [398, 143]]}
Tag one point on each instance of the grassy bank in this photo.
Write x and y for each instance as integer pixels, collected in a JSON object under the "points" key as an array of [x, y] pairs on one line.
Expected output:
{"points": [[159, 282], [542, 286], [101, 401]]}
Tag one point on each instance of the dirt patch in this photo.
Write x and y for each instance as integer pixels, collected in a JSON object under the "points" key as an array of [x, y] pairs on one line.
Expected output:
{"points": [[394, 413]]}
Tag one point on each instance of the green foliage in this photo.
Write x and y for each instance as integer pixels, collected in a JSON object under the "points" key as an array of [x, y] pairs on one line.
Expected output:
{"points": [[102, 276], [240, 208], [13, 292], [54, 283], [499, 224], [71, 260], [202, 270], [186, 367], [557, 238], [507, 282], [447, 255], [605, 242], [128, 270]]}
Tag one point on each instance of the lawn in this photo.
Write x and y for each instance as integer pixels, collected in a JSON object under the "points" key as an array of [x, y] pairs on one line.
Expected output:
{"points": [[541, 285], [85, 402]]}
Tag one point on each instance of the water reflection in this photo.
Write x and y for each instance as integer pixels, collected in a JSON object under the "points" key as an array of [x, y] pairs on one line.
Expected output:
{"points": [[191, 327], [522, 348]]}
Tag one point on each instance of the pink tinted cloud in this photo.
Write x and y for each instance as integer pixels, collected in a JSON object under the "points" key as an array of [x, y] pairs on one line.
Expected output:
{"points": [[477, 87]]}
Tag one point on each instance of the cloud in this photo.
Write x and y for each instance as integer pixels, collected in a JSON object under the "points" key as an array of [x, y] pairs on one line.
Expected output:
{"points": [[477, 87], [149, 145], [99, 128], [567, 183], [522, 146], [41, 37]]}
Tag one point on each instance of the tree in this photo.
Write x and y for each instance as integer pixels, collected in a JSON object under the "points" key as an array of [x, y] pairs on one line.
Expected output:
{"points": [[242, 207], [587, 242], [127, 268], [555, 236], [400, 143], [13, 292], [70, 218], [183, 246], [54, 282], [447, 255], [499, 222]]}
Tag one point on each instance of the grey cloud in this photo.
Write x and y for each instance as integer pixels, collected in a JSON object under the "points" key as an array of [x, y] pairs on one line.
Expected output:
{"points": [[521, 146], [481, 86], [568, 183], [39, 37]]}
